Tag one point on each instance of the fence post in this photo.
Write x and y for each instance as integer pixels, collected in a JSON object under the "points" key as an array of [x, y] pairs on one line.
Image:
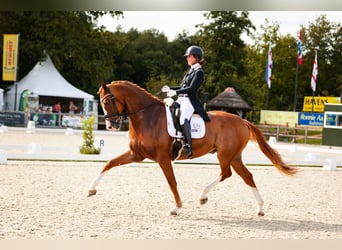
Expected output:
{"points": [[295, 133], [278, 130], [306, 134], [59, 119]]}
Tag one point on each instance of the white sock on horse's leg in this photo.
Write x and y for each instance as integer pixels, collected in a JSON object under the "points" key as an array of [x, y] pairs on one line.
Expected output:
{"points": [[208, 188], [259, 201], [174, 211], [96, 181]]}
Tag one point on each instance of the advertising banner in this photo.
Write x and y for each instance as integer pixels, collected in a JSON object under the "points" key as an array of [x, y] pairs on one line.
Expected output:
{"points": [[311, 119], [10, 57], [12, 118], [279, 117], [318, 103]]}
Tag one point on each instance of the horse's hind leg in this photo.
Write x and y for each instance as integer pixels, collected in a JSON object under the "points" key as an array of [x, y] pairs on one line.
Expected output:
{"points": [[247, 176], [207, 189], [226, 172]]}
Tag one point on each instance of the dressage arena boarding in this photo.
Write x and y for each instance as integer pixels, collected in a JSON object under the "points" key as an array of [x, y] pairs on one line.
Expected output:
{"points": [[44, 182]]}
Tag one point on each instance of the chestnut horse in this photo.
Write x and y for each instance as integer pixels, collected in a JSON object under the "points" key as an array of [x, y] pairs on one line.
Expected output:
{"points": [[226, 134]]}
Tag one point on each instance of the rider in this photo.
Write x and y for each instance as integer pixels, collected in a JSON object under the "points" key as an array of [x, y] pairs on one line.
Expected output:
{"points": [[186, 94]]}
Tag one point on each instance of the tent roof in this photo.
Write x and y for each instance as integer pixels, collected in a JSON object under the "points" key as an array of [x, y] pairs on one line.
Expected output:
{"points": [[229, 99], [45, 80]]}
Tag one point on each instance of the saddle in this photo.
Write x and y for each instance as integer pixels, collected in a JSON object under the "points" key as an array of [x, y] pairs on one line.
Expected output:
{"points": [[174, 128]]}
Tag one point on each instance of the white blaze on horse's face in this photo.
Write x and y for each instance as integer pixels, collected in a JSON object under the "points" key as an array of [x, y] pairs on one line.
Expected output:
{"points": [[104, 111], [108, 125]]}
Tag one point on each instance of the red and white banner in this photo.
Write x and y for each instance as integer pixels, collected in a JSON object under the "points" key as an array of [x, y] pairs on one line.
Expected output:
{"points": [[314, 74]]}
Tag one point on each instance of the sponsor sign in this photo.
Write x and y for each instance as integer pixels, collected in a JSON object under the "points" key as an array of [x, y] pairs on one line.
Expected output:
{"points": [[279, 117], [12, 118], [318, 103], [311, 119], [10, 57]]}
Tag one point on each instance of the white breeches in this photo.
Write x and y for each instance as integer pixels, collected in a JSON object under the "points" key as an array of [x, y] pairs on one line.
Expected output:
{"points": [[186, 109]]}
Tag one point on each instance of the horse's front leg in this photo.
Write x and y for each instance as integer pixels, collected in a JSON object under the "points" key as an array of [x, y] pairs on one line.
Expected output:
{"points": [[167, 168], [125, 158]]}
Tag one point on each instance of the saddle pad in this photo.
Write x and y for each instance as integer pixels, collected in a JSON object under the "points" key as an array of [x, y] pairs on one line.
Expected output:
{"points": [[196, 123]]}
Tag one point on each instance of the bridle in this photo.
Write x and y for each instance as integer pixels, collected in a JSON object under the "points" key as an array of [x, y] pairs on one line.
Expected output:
{"points": [[113, 99]]}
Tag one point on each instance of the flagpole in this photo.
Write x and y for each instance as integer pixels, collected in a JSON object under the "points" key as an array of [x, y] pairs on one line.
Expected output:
{"points": [[313, 93], [267, 96], [313, 100], [16, 76]]}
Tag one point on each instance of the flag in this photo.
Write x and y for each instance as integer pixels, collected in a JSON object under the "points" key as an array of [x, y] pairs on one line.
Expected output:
{"points": [[269, 65], [299, 47], [10, 57], [314, 74]]}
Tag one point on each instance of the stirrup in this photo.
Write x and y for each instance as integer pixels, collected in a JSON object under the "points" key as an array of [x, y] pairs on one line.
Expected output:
{"points": [[176, 149], [187, 151]]}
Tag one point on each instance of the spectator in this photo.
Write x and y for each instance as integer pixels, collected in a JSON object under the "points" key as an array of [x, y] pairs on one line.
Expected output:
{"points": [[72, 107], [57, 107]]}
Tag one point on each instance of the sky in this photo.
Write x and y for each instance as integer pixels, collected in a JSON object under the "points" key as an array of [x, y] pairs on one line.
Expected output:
{"points": [[172, 23]]}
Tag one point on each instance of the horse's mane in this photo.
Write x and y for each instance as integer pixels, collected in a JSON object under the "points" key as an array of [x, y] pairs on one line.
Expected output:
{"points": [[134, 85]]}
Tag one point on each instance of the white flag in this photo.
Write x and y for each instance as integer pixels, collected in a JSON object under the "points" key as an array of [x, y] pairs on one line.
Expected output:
{"points": [[314, 74]]}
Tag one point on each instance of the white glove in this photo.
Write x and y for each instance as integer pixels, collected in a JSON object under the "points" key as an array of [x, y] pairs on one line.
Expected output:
{"points": [[171, 93], [165, 89]]}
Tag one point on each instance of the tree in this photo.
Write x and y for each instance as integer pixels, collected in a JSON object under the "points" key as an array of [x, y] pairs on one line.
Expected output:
{"points": [[255, 87], [224, 49], [321, 35], [144, 55], [284, 50], [88, 138], [75, 44], [336, 62], [325, 37], [175, 67]]}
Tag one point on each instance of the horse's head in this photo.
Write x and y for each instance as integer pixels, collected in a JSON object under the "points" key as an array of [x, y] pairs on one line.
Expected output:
{"points": [[112, 107]]}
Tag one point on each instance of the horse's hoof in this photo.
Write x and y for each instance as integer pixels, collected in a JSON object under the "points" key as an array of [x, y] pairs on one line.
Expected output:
{"points": [[173, 213], [203, 201], [260, 214], [91, 192]]}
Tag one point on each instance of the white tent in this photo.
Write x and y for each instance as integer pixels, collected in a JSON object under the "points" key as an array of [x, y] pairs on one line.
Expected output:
{"points": [[44, 80]]}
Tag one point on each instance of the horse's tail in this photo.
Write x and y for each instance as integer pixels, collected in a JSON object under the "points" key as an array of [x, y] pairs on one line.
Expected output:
{"points": [[273, 155]]}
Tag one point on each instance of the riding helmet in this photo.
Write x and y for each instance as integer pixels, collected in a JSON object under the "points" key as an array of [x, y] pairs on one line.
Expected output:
{"points": [[195, 51]]}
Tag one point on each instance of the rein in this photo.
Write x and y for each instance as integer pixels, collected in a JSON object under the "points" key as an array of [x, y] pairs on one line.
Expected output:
{"points": [[113, 99]]}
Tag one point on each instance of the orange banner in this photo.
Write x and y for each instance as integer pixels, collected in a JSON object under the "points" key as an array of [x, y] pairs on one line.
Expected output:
{"points": [[10, 57]]}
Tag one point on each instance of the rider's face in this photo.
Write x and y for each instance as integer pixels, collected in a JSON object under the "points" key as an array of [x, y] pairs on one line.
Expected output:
{"points": [[191, 60]]}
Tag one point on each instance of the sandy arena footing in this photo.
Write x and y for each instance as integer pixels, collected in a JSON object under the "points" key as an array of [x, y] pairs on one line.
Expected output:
{"points": [[48, 200]]}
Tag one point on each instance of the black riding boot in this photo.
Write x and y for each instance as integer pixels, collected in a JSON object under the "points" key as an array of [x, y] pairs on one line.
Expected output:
{"points": [[186, 130]]}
